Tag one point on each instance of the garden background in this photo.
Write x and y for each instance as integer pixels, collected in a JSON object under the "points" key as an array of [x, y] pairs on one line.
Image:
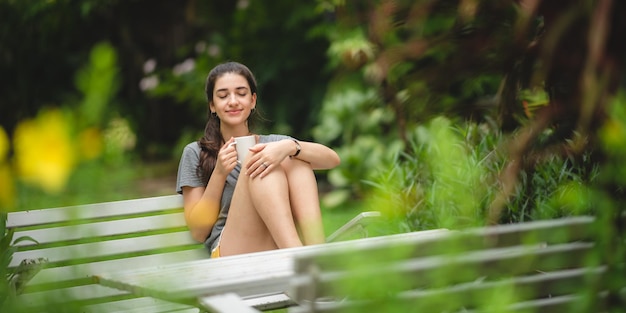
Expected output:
{"points": [[445, 113]]}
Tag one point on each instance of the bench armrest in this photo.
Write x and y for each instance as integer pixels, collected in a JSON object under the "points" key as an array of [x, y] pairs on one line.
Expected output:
{"points": [[356, 224]]}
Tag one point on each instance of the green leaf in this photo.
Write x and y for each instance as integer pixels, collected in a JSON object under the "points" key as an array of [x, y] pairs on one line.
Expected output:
{"points": [[25, 238]]}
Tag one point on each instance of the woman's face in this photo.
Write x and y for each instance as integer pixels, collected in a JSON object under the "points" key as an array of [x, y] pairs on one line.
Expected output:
{"points": [[232, 99]]}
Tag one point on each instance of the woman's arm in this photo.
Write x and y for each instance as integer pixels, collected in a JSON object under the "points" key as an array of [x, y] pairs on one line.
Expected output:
{"points": [[319, 156], [202, 204], [202, 207], [267, 156]]}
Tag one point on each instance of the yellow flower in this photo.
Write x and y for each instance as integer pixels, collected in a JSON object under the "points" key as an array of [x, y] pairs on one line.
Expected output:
{"points": [[44, 153]]}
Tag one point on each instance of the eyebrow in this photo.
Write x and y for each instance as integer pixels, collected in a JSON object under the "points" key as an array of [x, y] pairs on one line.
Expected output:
{"points": [[237, 89]]}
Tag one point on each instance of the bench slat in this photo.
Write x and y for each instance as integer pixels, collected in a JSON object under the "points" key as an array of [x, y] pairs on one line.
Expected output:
{"points": [[140, 305], [85, 293], [82, 271], [101, 229], [566, 303], [90, 211], [86, 290], [435, 271], [383, 252], [102, 299], [107, 248], [526, 288], [267, 274]]}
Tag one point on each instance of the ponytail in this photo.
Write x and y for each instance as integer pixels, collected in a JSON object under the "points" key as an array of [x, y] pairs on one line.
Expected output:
{"points": [[210, 144]]}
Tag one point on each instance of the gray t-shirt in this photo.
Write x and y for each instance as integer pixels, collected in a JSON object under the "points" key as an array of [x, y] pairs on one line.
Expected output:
{"points": [[188, 176]]}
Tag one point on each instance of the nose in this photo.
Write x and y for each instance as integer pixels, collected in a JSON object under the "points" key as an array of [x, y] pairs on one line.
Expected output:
{"points": [[232, 99]]}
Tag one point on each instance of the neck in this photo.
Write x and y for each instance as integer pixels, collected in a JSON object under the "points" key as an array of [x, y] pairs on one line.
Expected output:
{"points": [[227, 133]]}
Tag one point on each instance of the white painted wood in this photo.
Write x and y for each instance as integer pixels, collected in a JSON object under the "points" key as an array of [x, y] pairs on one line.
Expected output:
{"points": [[101, 229], [86, 270], [79, 242], [146, 304], [483, 263], [140, 305], [86, 292], [269, 302], [545, 261], [247, 275], [143, 230], [226, 303], [106, 248], [96, 210], [357, 224]]}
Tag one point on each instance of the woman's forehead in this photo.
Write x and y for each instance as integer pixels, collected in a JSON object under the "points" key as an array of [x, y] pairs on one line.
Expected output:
{"points": [[231, 81]]}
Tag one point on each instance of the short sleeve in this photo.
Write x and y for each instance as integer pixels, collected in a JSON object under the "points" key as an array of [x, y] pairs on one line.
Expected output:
{"points": [[187, 168]]}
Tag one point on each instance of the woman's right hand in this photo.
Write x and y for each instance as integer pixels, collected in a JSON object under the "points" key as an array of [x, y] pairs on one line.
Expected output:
{"points": [[226, 158]]}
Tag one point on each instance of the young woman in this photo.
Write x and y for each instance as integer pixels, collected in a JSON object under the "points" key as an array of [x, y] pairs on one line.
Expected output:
{"points": [[270, 200]]}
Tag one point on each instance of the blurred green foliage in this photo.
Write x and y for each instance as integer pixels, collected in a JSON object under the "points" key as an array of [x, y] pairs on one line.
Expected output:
{"points": [[529, 104], [68, 147], [445, 113], [498, 66], [449, 178], [171, 50], [358, 77]]}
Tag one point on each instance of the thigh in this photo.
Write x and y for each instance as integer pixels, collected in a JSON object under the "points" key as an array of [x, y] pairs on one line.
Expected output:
{"points": [[244, 230]]}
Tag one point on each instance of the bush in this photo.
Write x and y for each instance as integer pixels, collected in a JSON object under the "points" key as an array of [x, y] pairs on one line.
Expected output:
{"points": [[450, 177]]}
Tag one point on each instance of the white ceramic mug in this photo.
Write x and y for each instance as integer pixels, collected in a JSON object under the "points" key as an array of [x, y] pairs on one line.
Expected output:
{"points": [[242, 144]]}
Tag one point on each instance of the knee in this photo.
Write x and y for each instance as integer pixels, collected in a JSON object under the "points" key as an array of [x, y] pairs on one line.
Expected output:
{"points": [[299, 172], [292, 164], [275, 176]]}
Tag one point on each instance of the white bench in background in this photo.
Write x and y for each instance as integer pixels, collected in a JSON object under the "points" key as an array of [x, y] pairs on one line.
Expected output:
{"points": [[80, 241]]}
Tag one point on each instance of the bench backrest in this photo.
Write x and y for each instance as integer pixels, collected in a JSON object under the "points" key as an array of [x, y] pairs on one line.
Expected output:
{"points": [[539, 264], [79, 241]]}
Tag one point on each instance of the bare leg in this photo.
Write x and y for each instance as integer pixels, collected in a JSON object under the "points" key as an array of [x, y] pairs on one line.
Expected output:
{"points": [[305, 204], [260, 217]]}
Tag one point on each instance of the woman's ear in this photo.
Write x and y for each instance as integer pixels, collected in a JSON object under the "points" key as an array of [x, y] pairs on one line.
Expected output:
{"points": [[253, 101]]}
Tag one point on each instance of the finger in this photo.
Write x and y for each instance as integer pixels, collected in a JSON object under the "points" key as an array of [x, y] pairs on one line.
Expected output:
{"points": [[227, 160], [253, 159], [258, 147], [265, 168], [257, 169], [229, 144]]}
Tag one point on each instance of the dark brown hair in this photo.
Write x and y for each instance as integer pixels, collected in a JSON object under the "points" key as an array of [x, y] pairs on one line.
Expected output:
{"points": [[212, 140]]}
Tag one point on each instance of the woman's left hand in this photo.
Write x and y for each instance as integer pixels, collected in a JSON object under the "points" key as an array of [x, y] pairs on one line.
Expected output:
{"points": [[267, 156]]}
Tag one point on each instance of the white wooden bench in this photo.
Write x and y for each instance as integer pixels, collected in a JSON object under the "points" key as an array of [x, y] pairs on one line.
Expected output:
{"points": [[80, 240], [74, 243], [542, 266], [559, 265]]}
